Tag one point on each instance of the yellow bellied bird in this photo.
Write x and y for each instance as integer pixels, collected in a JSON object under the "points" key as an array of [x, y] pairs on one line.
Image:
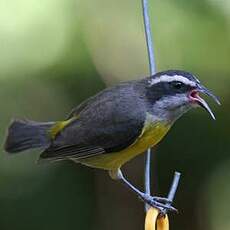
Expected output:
{"points": [[112, 127]]}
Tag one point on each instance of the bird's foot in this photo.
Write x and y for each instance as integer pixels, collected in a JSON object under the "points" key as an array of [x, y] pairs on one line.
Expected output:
{"points": [[164, 205]]}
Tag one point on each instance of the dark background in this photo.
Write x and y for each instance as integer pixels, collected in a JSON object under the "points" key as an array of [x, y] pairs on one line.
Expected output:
{"points": [[56, 53]]}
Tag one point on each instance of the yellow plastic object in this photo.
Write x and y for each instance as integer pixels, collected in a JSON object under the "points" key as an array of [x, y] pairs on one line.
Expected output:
{"points": [[154, 222]]}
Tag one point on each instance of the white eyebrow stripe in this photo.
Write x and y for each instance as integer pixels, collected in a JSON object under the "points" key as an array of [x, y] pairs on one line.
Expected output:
{"points": [[168, 78]]}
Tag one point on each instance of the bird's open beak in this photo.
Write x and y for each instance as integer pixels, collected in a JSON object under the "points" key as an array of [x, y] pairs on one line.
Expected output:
{"points": [[195, 98]]}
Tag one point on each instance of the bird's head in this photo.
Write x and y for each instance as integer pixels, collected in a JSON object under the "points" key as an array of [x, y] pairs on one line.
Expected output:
{"points": [[172, 93]]}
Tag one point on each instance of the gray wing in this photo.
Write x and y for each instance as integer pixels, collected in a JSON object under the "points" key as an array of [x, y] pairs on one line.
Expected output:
{"points": [[108, 122]]}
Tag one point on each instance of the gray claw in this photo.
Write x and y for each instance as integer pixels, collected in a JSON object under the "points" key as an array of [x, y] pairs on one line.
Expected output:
{"points": [[162, 204], [166, 207], [162, 199]]}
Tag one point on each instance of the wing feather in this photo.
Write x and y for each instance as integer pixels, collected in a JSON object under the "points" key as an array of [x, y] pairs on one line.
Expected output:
{"points": [[106, 123], [71, 151]]}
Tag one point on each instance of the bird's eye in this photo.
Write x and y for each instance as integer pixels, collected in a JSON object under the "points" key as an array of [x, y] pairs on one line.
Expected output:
{"points": [[177, 84]]}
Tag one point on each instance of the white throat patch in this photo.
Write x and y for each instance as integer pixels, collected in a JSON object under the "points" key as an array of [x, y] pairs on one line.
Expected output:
{"points": [[168, 78]]}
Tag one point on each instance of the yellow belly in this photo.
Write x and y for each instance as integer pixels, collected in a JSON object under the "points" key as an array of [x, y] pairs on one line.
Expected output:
{"points": [[151, 135]]}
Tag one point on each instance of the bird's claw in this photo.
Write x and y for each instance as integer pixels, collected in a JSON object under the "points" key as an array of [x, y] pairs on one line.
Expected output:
{"points": [[157, 199], [164, 205]]}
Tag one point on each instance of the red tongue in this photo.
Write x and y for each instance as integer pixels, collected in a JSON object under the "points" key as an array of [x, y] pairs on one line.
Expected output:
{"points": [[195, 98], [195, 95]]}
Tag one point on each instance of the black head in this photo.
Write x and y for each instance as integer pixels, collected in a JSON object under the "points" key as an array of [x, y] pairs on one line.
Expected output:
{"points": [[174, 92]]}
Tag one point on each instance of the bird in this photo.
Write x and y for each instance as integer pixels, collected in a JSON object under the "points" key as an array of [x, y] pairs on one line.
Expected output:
{"points": [[109, 129]]}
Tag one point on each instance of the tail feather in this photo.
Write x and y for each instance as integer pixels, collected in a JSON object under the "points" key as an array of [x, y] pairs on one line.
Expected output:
{"points": [[26, 134]]}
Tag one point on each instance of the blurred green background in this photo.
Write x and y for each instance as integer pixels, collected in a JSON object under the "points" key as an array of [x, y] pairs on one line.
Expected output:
{"points": [[56, 53]]}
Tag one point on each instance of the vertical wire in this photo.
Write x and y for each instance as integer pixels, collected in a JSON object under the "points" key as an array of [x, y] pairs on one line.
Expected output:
{"points": [[148, 37], [152, 69]]}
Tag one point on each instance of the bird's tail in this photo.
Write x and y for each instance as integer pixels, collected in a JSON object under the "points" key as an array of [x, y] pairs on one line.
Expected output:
{"points": [[25, 134]]}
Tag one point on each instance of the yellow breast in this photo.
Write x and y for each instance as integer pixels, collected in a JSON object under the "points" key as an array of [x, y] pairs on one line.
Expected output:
{"points": [[151, 134]]}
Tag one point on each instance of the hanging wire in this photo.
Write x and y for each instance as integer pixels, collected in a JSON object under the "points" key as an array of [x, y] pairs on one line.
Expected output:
{"points": [[152, 69]]}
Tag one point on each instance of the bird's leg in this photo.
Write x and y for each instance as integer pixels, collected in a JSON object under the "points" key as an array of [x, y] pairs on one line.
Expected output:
{"points": [[162, 204]]}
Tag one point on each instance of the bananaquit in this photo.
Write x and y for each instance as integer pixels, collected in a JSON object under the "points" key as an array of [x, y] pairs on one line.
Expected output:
{"points": [[114, 126]]}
